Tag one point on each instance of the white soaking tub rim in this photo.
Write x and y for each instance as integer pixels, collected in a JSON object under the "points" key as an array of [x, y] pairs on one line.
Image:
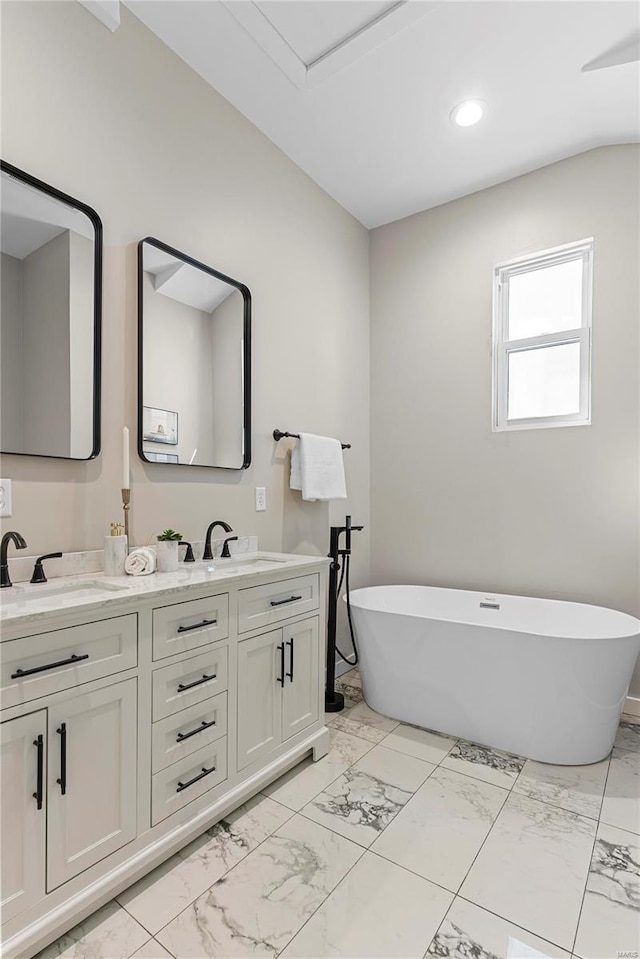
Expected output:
{"points": [[518, 614]]}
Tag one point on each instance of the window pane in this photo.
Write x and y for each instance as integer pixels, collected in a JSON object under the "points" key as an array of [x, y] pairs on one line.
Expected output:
{"points": [[547, 300], [544, 381]]}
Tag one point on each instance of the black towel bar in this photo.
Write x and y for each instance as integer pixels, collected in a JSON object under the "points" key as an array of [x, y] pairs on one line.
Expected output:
{"points": [[279, 435]]}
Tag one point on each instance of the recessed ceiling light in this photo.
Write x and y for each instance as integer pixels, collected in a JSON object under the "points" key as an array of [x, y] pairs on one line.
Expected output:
{"points": [[468, 113]]}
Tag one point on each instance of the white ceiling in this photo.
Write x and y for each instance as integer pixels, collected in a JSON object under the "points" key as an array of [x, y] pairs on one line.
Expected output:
{"points": [[358, 93], [185, 283]]}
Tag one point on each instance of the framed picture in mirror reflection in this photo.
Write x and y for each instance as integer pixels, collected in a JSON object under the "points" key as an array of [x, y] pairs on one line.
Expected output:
{"points": [[159, 426]]}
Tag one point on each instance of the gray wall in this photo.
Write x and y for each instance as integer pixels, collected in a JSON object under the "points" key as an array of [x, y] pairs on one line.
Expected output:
{"points": [[218, 189], [551, 513]]}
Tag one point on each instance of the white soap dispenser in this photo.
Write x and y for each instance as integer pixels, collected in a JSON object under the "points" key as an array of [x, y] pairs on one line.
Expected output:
{"points": [[115, 551]]}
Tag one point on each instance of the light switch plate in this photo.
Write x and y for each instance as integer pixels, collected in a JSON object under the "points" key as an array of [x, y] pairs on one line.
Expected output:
{"points": [[5, 497], [261, 499]]}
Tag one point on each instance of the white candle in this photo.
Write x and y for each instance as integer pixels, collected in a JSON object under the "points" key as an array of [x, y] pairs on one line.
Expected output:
{"points": [[125, 458]]}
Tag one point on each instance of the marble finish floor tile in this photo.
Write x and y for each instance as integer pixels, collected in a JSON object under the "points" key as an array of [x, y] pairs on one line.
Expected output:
{"points": [[577, 788], [161, 895], [610, 919], [302, 783], [421, 743], [108, 932], [152, 950], [628, 736], [469, 932], [362, 721], [364, 800], [440, 830], [621, 806], [258, 907], [491, 765], [350, 685], [533, 868], [378, 910]]}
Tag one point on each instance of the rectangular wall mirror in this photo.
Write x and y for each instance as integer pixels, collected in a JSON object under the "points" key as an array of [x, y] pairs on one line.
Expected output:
{"points": [[194, 362], [50, 316]]}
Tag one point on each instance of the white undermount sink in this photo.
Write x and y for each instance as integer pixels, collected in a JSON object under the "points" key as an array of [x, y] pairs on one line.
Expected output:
{"points": [[32, 594], [233, 565]]}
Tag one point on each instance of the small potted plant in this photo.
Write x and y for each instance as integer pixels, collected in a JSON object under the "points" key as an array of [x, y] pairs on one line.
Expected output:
{"points": [[167, 551]]}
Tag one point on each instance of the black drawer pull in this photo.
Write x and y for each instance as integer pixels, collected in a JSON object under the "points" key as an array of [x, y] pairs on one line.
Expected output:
{"points": [[19, 673], [205, 622], [193, 732], [280, 678], [281, 602], [196, 682], [205, 772], [62, 781], [290, 673], [39, 744]]}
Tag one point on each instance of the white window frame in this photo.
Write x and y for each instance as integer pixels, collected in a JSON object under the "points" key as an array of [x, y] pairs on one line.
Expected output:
{"points": [[502, 346]]}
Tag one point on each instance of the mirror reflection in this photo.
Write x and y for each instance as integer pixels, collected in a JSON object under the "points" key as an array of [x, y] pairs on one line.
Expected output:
{"points": [[50, 262], [194, 362]]}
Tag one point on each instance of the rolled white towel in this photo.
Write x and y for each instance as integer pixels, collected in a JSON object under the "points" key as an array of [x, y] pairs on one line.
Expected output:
{"points": [[140, 562]]}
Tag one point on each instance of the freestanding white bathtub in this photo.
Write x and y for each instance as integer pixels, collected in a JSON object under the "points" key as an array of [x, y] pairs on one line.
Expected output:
{"points": [[540, 678]]}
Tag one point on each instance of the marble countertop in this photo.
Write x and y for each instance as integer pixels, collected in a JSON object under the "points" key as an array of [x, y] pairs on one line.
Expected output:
{"points": [[26, 604]]}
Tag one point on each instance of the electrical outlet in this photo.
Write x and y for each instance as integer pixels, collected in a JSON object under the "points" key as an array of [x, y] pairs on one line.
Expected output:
{"points": [[261, 499], [5, 497]]}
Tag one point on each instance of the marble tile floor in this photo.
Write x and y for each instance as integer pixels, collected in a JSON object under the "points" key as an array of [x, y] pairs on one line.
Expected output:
{"points": [[399, 843]]}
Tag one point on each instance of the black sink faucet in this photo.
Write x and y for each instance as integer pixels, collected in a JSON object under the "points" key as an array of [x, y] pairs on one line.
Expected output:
{"points": [[207, 540], [225, 554], [20, 543]]}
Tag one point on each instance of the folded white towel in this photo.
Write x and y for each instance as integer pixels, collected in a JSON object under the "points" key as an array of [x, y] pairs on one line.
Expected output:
{"points": [[317, 468], [140, 562]]}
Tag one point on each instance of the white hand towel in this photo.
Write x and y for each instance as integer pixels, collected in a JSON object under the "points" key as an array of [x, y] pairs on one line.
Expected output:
{"points": [[317, 468], [140, 562]]}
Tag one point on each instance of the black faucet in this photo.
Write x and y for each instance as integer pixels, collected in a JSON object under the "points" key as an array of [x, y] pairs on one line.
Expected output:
{"points": [[38, 569], [207, 540], [20, 543], [225, 554], [188, 556]]}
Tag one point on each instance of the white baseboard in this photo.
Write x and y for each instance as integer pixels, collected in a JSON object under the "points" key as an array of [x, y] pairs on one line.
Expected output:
{"points": [[632, 706], [342, 667]]}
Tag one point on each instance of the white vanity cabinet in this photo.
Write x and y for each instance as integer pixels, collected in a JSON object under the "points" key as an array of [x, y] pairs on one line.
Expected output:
{"points": [[91, 782], [23, 812], [131, 725], [278, 692]]}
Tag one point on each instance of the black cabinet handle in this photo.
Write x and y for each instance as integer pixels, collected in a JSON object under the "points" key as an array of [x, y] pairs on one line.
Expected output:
{"points": [[19, 673], [290, 673], [280, 678], [196, 682], [205, 772], [62, 781], [39, 744], [193, 732], [205, 622], [281, 602]]}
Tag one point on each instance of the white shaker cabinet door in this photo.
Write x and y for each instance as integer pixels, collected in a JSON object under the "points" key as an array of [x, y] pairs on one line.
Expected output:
{"points": [[92, 779], [260, 678], [22, 812], [300, 694]]}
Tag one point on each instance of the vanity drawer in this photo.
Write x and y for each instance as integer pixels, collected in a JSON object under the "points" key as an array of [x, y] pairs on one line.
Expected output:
{"points": [[260, 606], [187, 779], [185, 626], [184, 733], [35, 666], [188, 682]]}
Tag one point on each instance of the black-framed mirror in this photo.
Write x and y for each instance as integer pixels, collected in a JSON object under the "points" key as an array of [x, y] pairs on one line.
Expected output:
{"points": [[50, 320], [194, 362]]}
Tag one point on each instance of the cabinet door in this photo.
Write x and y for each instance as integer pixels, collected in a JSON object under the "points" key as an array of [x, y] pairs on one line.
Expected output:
{"points": [[22, 767], [92, 779], [300, 695], [259, 696]]}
